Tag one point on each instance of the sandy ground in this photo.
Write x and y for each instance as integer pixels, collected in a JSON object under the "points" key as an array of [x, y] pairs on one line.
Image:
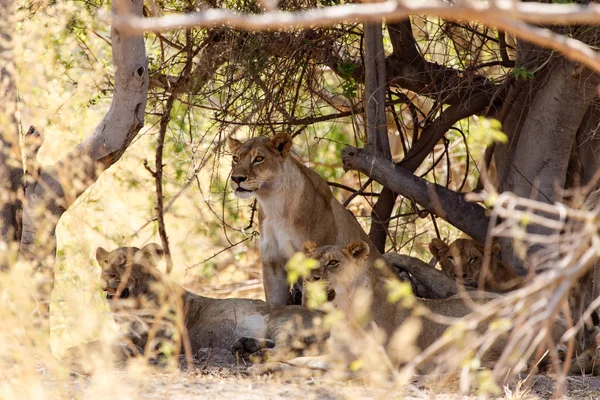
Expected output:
{"points": [[219, 376]]}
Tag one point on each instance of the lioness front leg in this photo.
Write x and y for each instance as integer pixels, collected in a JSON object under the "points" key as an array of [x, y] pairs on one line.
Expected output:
{"points": [[246, 346], [277, 290]]}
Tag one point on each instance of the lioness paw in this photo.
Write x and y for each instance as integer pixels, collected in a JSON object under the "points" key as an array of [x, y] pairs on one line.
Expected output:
{"points": [[245, 346]]}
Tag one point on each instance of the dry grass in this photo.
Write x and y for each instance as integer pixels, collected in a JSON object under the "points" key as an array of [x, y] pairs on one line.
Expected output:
{"points": [[115, 212]]}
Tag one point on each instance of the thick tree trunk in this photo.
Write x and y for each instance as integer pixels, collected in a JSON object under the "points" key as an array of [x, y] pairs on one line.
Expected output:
{"points": [[587, 147], [544, 144], [542, 125], [51, 190], [445, 203], [11, 167]]}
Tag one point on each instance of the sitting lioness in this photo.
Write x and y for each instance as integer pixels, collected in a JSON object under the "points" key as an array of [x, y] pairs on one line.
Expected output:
{"points": [[463, 260], [135, 287], [347, 279], [294, 205]]}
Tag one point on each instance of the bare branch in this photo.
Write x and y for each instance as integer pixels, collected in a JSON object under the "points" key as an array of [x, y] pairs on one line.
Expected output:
{"points": [[506, 15], [452, 206]]}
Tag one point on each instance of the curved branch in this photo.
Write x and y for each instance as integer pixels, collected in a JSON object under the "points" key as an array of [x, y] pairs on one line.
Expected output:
{"points": [[436, 130], [58, 186], [505, 15]]}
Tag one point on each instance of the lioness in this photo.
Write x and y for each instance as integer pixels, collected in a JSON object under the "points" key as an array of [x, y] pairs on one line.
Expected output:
{"points": [[133, 284], [294, 205], [345, 274], [463, 260]]}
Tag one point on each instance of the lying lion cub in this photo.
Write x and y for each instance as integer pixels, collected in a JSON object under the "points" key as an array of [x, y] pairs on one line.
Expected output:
{"points": [[136, 288], [463, 260], [346, 279]]}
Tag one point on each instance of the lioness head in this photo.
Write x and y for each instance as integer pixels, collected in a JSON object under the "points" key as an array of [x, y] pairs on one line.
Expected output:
{"points": [[339, 267], [463, 258], [128, 271], [257, 163]]}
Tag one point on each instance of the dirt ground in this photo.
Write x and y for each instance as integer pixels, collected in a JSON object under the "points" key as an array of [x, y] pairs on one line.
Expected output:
{"points": [[219, 376]]}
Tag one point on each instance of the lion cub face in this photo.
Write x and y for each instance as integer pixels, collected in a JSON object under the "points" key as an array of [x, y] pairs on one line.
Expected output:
{"points": [[339, 267], [463, 258], [257, 163], [128, 271]]}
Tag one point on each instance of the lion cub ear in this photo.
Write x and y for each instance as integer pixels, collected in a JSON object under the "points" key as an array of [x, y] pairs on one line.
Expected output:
{"points": [[308, 248], [233, 144], [358, 250], [436, 247], [102, 256], [152, 252], [282, 142]]}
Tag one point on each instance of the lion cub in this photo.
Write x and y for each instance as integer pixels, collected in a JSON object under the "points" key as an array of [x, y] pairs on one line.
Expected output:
{"points": [[347, 277], [463, 260], [350, 285], [158, 309]]}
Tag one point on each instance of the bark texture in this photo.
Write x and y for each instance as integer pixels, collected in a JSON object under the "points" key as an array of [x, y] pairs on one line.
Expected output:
{"points": [[445, 203], [11, 167], [542, 120], [544, 145], [377, 135], [51, 190]]}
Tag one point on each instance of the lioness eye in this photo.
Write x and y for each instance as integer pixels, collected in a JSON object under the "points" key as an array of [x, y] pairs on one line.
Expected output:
{"points": [[472, 260], [236, 159], [333, 263], [258, 159]]}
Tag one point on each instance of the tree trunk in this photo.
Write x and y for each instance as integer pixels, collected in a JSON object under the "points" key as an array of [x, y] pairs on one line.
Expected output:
{"points": [[377, 135], [11, 167], [51, 190], [587, 147], [541, 123]]}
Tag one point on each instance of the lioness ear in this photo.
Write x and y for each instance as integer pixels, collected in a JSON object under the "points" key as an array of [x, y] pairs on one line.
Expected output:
{"points": [[233, 144], [436, 246], [358, 250], [152, 251], [102, 256], [282, 142], [308, 248]]}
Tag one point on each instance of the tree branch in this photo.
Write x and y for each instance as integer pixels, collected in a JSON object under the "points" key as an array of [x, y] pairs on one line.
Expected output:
{"points": [[504, 14], [58, 186], [449, 205]]}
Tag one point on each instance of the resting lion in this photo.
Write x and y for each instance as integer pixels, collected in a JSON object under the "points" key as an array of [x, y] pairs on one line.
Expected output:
{"points": [[136, 289], [346, 277], [463, 260], [294, 205]]}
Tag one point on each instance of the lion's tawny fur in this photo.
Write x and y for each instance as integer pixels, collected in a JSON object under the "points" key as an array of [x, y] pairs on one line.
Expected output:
{"points": [[294, 205], [463, 259], [209, 322]]}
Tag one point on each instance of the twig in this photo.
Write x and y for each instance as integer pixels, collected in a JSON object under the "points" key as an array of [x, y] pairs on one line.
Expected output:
{"points": [[349, 189], [252, 235], [357, 193]]}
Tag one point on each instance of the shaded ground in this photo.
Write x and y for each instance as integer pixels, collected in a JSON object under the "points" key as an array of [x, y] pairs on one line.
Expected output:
{"points": [[219, 376]]}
